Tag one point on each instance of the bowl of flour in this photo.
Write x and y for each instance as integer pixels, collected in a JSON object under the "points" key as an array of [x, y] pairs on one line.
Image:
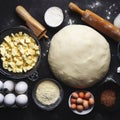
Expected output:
{"points": [[47, 94]]}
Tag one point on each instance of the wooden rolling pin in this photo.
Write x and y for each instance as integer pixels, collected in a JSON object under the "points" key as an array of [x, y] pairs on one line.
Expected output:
{"points": [[97, 22], [38, 29]]}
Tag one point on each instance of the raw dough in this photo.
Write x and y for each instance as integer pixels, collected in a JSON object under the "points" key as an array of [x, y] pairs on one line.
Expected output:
{"points": [[79, 56]]}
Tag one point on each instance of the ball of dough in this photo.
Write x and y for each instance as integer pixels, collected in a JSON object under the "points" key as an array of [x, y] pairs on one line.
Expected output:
{"points": [[79, 56]]}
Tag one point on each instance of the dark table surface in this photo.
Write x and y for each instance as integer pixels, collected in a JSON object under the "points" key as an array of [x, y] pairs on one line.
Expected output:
{"points": [[108, 9]]}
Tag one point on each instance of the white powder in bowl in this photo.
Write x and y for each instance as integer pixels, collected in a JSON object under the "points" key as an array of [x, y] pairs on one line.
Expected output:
{"points": [[117, 21], [53, 16], [47, 92]]}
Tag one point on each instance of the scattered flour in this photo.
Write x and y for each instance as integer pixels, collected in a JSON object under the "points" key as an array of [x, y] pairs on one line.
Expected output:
{"points": [[95, 5], [110, 11], [68, 18]]}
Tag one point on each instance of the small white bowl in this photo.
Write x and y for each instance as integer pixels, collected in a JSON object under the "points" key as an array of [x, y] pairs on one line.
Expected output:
{"points": [[54, 16], [84, 112]]}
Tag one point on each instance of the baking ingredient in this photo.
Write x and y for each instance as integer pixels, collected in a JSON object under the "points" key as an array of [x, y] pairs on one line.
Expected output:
{"points": [[73, 106], [81, 95], [73, 100], [1, 98], [74, 95], [86, 66], [118, 69], [80, 108], [87, 95], [19, 52], [85, 104], [91, 101], [53, 16], [8, 86], [47, 92], [81, 103], [1, 85], [21, 87], [9, 99], [117, 21], [108, 98], [22, 99]]}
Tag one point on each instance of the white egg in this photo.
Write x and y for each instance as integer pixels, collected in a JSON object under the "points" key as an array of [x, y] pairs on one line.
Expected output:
{"points": [[9, 99], [22, 99], [1, 98], [117, 21], [21, 87], [1, 85], [8, 85]]}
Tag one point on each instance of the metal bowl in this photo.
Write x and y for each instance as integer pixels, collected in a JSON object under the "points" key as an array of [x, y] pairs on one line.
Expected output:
{"points": [[23, 74]]}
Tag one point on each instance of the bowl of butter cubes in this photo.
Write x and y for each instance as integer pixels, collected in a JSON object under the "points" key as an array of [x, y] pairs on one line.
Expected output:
{"points": [[20, 52]]}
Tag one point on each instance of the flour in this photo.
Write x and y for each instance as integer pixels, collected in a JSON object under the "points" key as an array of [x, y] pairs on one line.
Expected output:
{"points": [[54, 17], [95, 5], [47, 92], [68, 18], [110, 10], [117, 21], [70, 22]]}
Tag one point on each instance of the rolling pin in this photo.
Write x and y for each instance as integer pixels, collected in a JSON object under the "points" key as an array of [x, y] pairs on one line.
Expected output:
{"points": [[38, 29], [97, 22]]}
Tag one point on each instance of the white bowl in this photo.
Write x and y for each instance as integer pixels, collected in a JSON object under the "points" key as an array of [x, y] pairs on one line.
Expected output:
{"points": [[84, 112]]}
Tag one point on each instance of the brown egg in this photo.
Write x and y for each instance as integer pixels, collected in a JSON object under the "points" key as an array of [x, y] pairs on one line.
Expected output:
{"points": [[79, 101], [73, 100], [73, 106], [87, 95], [80, 108], [81, 94], [74, 95], [85, 104], [91, 101]]}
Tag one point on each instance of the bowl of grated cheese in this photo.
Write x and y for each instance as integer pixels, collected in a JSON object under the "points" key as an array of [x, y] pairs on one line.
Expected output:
{"points": [[47, 94], [20, 52]]}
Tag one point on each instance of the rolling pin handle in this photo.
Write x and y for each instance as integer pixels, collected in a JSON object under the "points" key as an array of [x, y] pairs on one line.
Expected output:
{"points": [[75, 8]]}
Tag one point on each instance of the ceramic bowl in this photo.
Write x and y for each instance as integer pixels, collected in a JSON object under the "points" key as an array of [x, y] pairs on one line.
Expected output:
{"points": [[84, 111], [108, 84], [30, 33], [51, 106]]}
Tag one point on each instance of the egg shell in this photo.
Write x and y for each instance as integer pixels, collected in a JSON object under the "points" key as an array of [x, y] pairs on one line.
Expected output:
{"points": [[87, 95], [8, 85], [73, 106], [1, 98], [74, 95], [81, 95], [21, 87], [9, 99], [91, 101], [85, 104], [1, 85], [80, 108], [73, 100], [79, 101], [22, 99]]}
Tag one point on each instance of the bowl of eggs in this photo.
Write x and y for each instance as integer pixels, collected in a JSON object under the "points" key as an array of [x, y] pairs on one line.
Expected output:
{"points": [[81, 102], [20, 52]]}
